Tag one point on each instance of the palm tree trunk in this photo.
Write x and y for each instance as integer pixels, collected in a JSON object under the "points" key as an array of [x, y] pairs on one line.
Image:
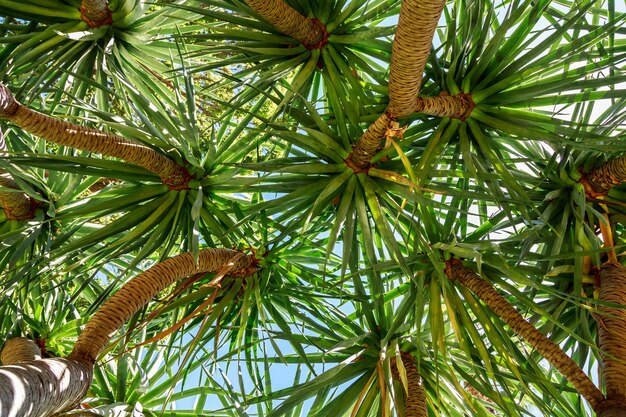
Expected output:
{"points": [[411, 48], [548, 349], [44, 387], [415, 402], [458, 106], [96, 13], [16, 205], [599, 181], [611, 331], [310, 32], [19, 349], [92, 140], [368, 144], [140, 290]]}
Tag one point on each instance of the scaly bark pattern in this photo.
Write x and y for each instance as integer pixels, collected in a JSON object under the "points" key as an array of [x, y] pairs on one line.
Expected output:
{"points": [[368, 144], [140, 290], [458, 106], [92, 140], [96, 13], [16, 205], [415, 402], [19, 349], [411, 48], [548, 349], [611, 331], [43, 387], [599, 181], [310, 32]]}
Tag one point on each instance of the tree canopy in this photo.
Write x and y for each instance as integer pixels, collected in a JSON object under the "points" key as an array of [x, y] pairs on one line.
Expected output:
{"points": [[312, 208]]}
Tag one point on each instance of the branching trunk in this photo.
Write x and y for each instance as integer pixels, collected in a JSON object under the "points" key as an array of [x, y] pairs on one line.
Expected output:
{"points": [[140, 290], [19, 349], [310, 32], [96, 13], [44, 387], [548, 349], [16, 205], [599, 181], [92, 140], [458, 106], [368, 144], [411, 48], [611, 331], [415, 404]]}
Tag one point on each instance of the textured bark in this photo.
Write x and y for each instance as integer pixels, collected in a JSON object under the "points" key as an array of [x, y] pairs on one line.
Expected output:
{"points": [[310, 32], [92, 140], [140, 290], [96, 13], [411, 48], [612, 331], [16, 205], [548, 349], [599, 181], [368, 144], [612, 410], [43, 387], [415, 402], [19, 349], [458, 106]]}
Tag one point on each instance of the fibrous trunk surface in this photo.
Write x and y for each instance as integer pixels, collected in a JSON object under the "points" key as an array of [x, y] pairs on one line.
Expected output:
{"points": [[548, 349], [311, 33], [410, 50], [612, 334], [92, 140], [41, 388], [368, 144], [600, 180], [415, 402], [19, 349], [458, 106], [16, 205], [140, 290]]}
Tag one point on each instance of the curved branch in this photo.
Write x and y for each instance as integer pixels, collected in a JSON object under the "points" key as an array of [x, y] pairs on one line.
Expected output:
{"points": [[92, 140], [140, 290], [44, 387], [415, 404], [19, 349], [611, 331], [310, 32], [368, 144], [547, 348], [410, 50]]}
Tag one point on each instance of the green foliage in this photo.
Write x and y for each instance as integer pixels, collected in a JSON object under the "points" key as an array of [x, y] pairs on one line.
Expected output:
{"points": [[352, 261]]}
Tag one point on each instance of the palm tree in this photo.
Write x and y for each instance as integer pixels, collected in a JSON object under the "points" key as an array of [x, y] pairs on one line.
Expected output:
{"points": [[431, 193]]}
